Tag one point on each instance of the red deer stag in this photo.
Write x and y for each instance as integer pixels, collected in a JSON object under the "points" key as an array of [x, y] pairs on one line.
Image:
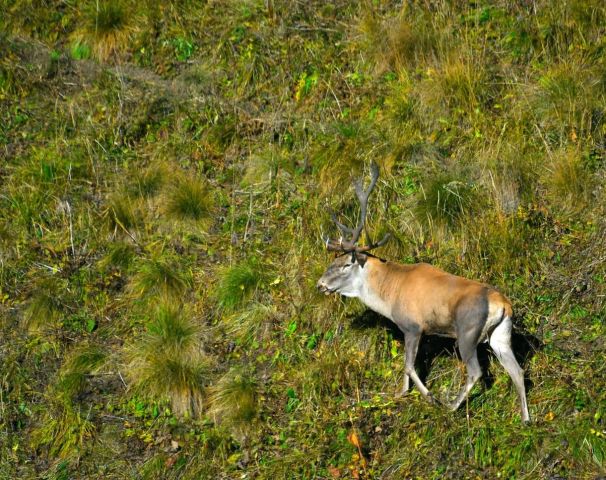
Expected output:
{"points": [[422, 299]]}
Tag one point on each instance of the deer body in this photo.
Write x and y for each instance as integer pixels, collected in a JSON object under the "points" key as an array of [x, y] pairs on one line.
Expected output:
{"points": [[428, 297], [422, 299]]}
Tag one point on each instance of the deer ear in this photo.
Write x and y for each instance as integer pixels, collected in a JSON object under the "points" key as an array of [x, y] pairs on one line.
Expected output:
{"points": [[361, 259]]}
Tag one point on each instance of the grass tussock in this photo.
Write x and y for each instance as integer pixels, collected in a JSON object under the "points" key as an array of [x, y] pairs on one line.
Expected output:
{"points": [[107, 28], [189, 200], [167, 361], [45, 308], [251, 324], [406, 40], [123, 214], [234, 400], [160, 276], [148, 182], [569, 180], [119, 255], [64, 431], [84, 361], [448, 199], [240, 283]]}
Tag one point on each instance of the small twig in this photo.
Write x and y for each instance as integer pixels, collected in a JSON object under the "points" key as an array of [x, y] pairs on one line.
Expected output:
{"points": [[49, 267], [123, 419], [128, 233], [335, 97], [547, 149], [71, 228], [307, 28], [121, 378], [250, 211]]}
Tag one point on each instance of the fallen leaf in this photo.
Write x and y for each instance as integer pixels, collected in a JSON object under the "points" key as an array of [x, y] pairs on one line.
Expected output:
{"points": [[354, 440], [334, 472]]}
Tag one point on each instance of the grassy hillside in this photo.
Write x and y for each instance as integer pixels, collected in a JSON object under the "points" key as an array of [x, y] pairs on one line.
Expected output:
{"points": [[167, 174]]}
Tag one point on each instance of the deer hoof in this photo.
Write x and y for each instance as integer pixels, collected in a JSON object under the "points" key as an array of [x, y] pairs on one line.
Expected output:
{"points": [[453, 407], [401, 393]]}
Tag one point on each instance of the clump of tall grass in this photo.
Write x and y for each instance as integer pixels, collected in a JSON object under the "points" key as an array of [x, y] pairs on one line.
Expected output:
{"points": [[566, 96], [66, 425], [119, 255], [108, 27], [459, 85], [45, 308], [568, 181], [234, 399], [161, 276], [568, 23], [189, 200], [85, 360], [250, 323], [402, 41], [343, 152], [167, 361], [123, 214], [240, 282], [341, 364], [496, 247], [263, 168], [464, 84], [64, 429], [447, 199], [147, 182]]}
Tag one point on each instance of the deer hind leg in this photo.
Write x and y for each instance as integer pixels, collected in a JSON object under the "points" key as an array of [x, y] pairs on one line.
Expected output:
{"points": [[411, 345], [474, 372], [500, 341], [471, 316]]}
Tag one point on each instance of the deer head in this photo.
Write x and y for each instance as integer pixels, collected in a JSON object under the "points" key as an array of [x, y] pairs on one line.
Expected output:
{"points": [[345, 275]]}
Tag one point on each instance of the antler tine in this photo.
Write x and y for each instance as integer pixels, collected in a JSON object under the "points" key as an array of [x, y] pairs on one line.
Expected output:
{"points": [[345, 230], [363, 196], [374, 245]]}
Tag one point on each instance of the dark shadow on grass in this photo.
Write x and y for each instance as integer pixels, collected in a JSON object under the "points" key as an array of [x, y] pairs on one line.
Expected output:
{"points": [[524, 346]]}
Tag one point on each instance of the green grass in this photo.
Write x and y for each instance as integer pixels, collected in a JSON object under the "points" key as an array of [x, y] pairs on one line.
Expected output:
{"points": [[167, 362], [107, 26], [234, 400], [189, 200], [447, 199], [240, 282], [167, 176], [123, 215], [64, 431], [86, 360], [160, 276], [45, 308]]}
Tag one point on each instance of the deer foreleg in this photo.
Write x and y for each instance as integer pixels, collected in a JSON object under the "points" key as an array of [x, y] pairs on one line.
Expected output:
{"points": [[411, 344]]}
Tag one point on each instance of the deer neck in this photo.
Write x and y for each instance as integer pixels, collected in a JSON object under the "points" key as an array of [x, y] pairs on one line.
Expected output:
{"points": [[372, 291]]}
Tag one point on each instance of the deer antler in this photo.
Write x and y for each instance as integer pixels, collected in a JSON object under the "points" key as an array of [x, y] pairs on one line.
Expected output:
{"points": [[344, 245]]}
